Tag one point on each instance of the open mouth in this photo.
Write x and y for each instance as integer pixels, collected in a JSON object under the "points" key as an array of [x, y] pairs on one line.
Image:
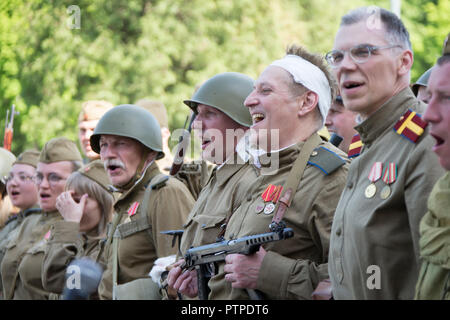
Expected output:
{"points": [[113, 169], [206, 142], [44, 196], [439, 140], [15, 193], [348, 85], [257, 117]]}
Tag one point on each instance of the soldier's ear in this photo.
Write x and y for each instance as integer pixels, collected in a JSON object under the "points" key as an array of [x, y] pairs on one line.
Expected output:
{"points": [[307, 103], [405, 60]]}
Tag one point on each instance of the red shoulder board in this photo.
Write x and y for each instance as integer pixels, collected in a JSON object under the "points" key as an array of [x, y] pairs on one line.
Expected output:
{"points": [[410, 126], [355, 146]]}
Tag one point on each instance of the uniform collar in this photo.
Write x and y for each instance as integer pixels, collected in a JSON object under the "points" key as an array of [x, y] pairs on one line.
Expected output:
{"points": [[386, 116], [225, 171]]}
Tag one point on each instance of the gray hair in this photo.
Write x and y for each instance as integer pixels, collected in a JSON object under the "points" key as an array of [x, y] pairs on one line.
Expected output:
{"points": [[396, 32]]}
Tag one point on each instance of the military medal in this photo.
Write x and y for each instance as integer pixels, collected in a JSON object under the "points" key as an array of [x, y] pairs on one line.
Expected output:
{"points": [[270, 197], [259, 206], [268, 209], [389, 177], [374, 175]]}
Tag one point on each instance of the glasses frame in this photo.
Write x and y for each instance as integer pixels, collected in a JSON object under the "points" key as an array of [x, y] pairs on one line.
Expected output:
{"points": [[26, 178], [370, 48], [51, 181]]}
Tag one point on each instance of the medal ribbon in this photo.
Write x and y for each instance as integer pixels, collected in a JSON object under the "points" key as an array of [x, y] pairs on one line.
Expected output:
{"points": [[272, 193], [390, 173], [375, 172]]}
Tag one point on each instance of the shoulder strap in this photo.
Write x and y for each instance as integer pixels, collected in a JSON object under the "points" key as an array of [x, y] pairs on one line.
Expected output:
{"points": [[293, 180]]}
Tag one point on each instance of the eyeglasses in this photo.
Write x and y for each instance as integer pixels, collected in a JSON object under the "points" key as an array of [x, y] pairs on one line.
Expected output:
{"points": [[359, 54], [52, 178], [22, 178]]}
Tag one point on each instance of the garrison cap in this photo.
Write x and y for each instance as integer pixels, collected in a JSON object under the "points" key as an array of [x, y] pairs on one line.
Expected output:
{"points": [[6, 161], [93, 110], [157, 109], [96, 171], [29, 157], [60, 149]]}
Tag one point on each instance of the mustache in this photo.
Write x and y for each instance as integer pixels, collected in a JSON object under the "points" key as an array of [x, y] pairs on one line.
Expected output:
{"points": [[113, 162]]}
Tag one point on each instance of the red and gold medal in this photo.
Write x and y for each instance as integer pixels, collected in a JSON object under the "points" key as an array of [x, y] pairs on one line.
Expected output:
{"points": [[374, 175], [389, 177]]}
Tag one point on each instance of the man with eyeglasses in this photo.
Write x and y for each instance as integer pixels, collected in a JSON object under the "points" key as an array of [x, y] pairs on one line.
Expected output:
{"points": [[22, 192], [374, 250], [21, 265]]}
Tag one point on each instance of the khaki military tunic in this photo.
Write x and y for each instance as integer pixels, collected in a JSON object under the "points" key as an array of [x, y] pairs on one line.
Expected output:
{"points": [[374, 251], [65, 244], [168, 208], [21, 265], [10, 230], [435, 244], [225, 191], [292, 268]]}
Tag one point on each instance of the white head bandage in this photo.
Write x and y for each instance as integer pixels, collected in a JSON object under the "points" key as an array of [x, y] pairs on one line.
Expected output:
{"points": [[310, 76]]}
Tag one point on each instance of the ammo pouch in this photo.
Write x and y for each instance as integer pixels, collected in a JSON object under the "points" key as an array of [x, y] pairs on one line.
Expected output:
{"points": [[144, 288]]}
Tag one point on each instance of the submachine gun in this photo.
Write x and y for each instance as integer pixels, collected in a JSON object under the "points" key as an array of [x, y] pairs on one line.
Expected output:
{"points": [[202, 258]]}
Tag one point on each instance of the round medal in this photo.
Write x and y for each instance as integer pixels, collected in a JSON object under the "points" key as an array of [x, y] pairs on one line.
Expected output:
{"points": [[259, 207], [370, 190], [385, 192], [269, 208]]}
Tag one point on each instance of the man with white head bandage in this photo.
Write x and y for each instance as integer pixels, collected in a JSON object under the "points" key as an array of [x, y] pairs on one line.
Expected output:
{"points": [[288, 104]]}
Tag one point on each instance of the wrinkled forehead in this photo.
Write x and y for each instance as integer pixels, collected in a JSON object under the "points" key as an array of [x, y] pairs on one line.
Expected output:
{"points": [[363, 32], [274, 75]]}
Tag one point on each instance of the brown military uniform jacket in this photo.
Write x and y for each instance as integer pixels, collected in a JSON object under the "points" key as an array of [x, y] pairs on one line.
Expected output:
{"points": [[434, 276], [374, 251], [168, 208], [21, 265], [223, 194], [66, 243], [292, 268], [10, 230]]}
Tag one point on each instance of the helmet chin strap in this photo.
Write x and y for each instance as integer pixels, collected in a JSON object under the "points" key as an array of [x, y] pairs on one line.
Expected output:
{"points": [[139, 171]]}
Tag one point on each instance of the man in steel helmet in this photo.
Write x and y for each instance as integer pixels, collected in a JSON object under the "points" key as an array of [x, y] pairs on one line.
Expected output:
{"points": [[128, 139], [221, 120], [420, 87]]}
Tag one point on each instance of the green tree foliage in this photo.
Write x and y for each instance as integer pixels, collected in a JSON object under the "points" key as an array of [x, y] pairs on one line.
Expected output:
{"points": [[161, 49]]}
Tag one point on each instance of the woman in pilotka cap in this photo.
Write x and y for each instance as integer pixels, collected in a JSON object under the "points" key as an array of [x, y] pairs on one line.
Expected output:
{"points": [[21, 265], [86, 207], [22, 192]]}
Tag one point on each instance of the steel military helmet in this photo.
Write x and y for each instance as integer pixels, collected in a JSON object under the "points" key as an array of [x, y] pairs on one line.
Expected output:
{"points": [[226, 92], [131, 121], [422, 81]]}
